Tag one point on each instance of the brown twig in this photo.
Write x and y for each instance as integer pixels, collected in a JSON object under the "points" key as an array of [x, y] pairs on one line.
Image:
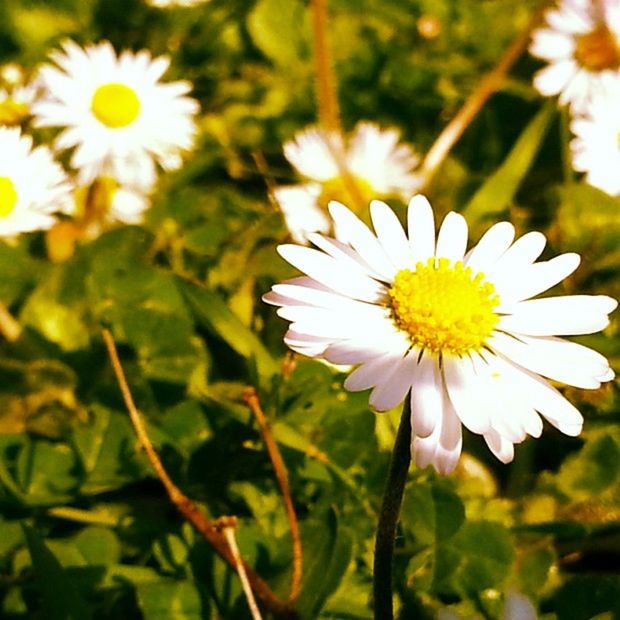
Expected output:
{"points": [[207, 529], [329, 112], [251, 398], [489, 85], [9, 327], [263, 169], [227, 526]]}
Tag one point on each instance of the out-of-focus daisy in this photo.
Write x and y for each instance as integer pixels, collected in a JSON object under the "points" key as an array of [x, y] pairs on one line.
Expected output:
{"points": [[596, 147], [32, 185], [15, 104], [371, 163], [116, 113], [582, 44], [458, 331], [105, 202]]}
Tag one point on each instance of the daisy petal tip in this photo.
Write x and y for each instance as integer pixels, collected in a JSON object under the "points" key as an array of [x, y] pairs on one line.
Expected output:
{"points": [[419, 201]]}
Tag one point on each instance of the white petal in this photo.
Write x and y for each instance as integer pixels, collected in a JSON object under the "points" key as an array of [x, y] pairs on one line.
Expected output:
{"points": [[393, 390], [555, 359], [371, 373], [360, 350], [559, 316], [491, 246], [553, 79], [466, 392], [426, 397], [362, 240], [421, 228], [314, 297], [390, 234], [525, 283], [452, 238], [332, 273], [500, 446]]}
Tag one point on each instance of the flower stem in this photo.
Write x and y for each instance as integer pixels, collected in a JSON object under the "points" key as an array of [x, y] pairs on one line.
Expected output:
{"points": [[388, 518]]}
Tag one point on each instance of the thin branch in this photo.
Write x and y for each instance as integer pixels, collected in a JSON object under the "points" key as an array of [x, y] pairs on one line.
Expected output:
{"points": [[229, 533], [489, 85], [9, 327], [388, 518], [329, 113], [263, 170], [253, 402], [184, 505]]}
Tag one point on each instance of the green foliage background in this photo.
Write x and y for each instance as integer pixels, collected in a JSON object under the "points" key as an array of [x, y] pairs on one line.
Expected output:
{"points": [[86, 530]]}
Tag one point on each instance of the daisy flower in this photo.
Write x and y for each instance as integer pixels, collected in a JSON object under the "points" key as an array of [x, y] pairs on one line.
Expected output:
{"points": [[106, 202], [582, 45], [117, 115], [32, 185], [596, 146], [458, 333], [374, 164], [15, 104]]}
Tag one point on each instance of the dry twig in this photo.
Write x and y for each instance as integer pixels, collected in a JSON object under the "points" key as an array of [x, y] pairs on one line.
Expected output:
{"points": [[206, 528], [253, 402]]}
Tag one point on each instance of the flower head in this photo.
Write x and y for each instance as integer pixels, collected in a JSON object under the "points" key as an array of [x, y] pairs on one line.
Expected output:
{"points": [[32, 185], [582, 44], [371, 163], [596, 146], [15, 104], [117, 115], [458, 331]]}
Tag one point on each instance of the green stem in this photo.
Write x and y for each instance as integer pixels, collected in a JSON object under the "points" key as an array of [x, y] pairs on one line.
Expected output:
{"points": [[388, 518]]}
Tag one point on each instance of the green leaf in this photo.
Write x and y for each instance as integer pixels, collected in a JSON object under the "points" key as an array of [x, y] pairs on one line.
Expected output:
{"points": [[498, 191], [327, 553], [278, 28], [61, 600], [593, 470], [162, 600], [486, 553], [212, 312]]}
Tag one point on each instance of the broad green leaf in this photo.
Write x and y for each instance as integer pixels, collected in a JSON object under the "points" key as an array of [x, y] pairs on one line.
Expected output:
{"points": [[98, 545], [61, 600], [498, 191], [278, 28], [594, 469], [327, 552], [212, 312], [163, 600]]}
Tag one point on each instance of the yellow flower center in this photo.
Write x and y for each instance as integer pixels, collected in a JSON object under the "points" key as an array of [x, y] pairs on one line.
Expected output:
{"points": [[444, 306], [598, 50], [350, 191], [12, 112], [115, 105], [8, 196]]}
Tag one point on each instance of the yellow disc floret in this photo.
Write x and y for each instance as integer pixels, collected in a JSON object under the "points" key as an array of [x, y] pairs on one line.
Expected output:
{"points": [[444, 306], [115, 105], [352, 190], [8, 196], [598, 50]]}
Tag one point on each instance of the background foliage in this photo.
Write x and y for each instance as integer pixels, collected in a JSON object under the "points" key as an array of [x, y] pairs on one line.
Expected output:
{"points": [[85, 528]]}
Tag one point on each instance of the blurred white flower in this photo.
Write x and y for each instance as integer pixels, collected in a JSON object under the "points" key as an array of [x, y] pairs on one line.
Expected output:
{"points": [[373, 164], [16, 103], [458, 331], [582, 44], [596, 146], [116, 113], [32, 185], [106, 202]]}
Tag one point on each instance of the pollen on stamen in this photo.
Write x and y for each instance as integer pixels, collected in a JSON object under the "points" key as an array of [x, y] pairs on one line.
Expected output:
{"points": [[444, 307]]}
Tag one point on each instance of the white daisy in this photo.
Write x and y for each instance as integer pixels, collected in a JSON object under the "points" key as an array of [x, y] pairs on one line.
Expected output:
{"points": [[458, 331], [596, 147], [106, 202], [582, 44], [371, 163], [116, 113], [32, 185], [15, 104]]}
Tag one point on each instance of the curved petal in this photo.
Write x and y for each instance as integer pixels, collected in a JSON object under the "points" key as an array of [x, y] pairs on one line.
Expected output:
{"points": [[390, 234], [452, 238], [421, 227]]}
